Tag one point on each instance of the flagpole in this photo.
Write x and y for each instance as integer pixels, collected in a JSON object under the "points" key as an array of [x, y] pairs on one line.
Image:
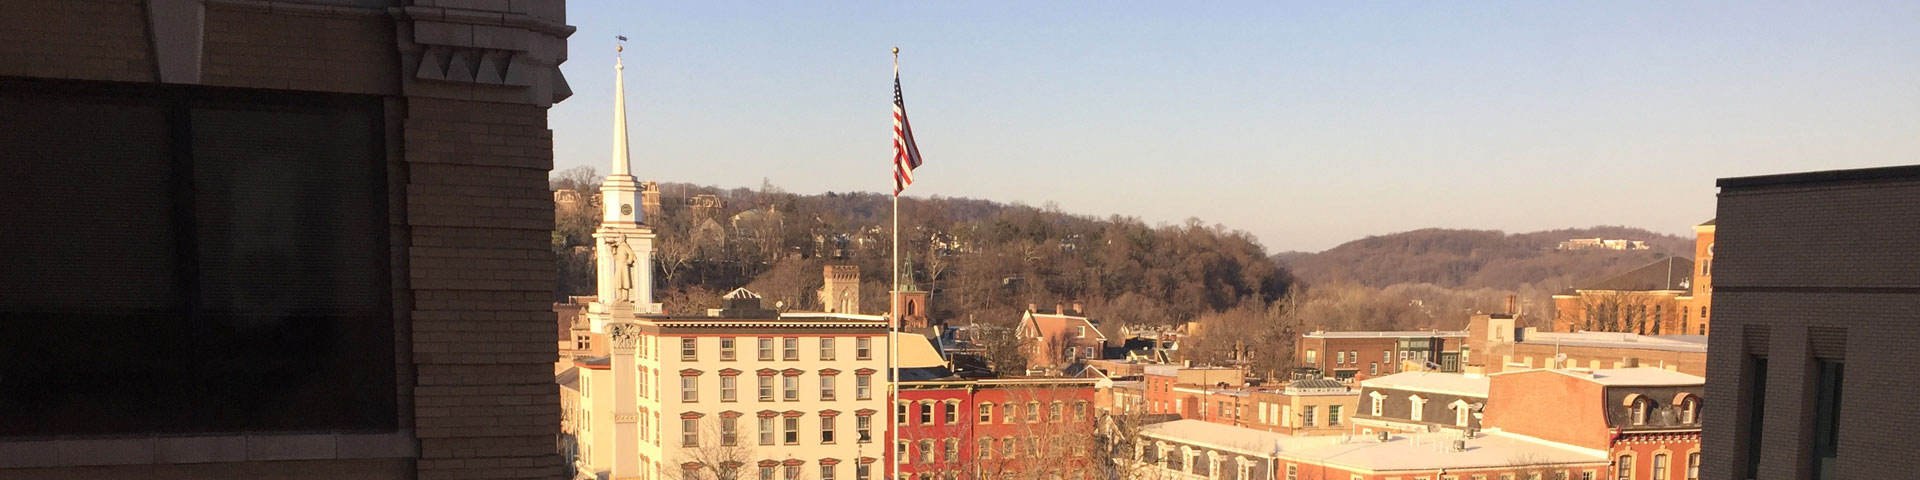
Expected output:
{"points": [[893, 316]]}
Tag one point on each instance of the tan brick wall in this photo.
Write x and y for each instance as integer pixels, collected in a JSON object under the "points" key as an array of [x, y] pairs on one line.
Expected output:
{"points": [[471, 222], [93, 40], [480, 217], [351, 53]]}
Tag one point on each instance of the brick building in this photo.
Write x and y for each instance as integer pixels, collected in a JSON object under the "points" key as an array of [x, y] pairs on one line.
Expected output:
{"points": [[315, 239], [1348, 356], [1055, 340], [1647, 420], [1161, 380], [993, 428], [1193, 450], [1819, 271], [1671, 296], [1305, 407], [1494, 345]]}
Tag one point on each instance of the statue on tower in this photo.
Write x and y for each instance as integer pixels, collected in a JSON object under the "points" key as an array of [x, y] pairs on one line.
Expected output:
{"points": [[623, 260]]}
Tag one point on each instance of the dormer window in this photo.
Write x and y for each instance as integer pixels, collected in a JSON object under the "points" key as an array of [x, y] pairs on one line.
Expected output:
{"points": [[1641, 408], [1418, 406], [1690, 409]]}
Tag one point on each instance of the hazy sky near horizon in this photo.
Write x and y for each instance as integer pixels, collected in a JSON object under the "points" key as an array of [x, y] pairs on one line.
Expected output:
{"points": [[1307, 124]]}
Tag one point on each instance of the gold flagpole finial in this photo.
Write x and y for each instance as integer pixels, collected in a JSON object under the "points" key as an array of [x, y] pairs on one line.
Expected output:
{"points": [[896, 50]]}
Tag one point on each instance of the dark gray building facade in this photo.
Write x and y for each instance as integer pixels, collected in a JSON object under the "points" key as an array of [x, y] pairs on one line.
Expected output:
{"points": [[1816, 316]]}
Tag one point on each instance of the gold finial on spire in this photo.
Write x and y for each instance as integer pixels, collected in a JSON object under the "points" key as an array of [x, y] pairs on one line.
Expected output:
{"points": [[896, 50]]}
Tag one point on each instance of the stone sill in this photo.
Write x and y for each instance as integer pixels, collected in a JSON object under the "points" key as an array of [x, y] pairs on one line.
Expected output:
{"points": [[190, 449]]}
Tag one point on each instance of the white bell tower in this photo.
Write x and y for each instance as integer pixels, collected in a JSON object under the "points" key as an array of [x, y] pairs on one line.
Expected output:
{"points": [[623, 246]]}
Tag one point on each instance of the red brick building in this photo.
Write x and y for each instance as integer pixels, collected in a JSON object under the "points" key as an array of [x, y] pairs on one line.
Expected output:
{"points": [[995, 428], [1647, 420], [1348, 356], [1671, 296]]}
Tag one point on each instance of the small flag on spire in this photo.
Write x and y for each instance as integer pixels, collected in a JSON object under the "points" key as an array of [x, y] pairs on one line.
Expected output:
{"points": [[621, 37], [906, 153]]}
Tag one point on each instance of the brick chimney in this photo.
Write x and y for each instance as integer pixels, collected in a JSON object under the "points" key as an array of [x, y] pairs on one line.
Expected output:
{"points": [[1511, 301], [1033, 308], [1059, 309], [1079, 309]]}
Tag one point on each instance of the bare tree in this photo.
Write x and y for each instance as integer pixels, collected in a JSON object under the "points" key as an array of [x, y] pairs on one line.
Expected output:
{"points": [[715, 454]]}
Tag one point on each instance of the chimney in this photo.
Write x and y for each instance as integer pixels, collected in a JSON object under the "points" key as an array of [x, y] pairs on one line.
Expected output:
{"points": [[1033, 308], [1078, 308], [1059, 309], [1511, 300]]}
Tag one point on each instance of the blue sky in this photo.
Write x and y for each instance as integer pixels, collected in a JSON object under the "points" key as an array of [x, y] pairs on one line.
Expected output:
{"points": [[1305, 124]]}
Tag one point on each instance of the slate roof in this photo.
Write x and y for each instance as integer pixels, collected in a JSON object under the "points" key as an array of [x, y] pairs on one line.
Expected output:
{"points": [[1671, 273]]}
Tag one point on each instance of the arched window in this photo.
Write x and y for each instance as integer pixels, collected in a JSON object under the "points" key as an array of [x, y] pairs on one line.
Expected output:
{"points": [[1460, 414], [910, 305], [1689, 409], [1641, 409], [1660, 467], [1378, 399], [1418, 406], [1625, 467]]}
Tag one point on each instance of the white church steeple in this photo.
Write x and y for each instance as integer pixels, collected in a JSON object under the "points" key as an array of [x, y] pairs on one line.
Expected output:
{"points": [[623, 250]]}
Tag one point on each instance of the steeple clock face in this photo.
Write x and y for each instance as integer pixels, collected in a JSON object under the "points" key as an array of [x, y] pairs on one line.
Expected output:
{"points": [[626, 209]]}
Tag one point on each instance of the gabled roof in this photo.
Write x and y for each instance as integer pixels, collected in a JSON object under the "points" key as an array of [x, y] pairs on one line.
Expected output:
{"points": [[1668, 274], [1049, 325]]}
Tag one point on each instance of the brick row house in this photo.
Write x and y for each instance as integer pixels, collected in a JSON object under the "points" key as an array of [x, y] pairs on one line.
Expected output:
{"points": [[997, 429], [1349, 356]]}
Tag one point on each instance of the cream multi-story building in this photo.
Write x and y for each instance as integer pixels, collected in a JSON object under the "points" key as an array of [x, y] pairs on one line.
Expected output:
{"points": [[774, 396], [743, 392]]}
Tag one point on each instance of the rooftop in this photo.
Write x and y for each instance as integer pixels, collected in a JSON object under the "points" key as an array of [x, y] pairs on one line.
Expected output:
{"points": [[1903, 172], [1627, 377], [1435, 382], [1667, 274], [1673, 343], [1388, 334], [1406, 452]]}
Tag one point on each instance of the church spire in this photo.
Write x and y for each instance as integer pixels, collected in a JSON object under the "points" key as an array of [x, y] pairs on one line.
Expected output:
{"points": [[622, 163]]}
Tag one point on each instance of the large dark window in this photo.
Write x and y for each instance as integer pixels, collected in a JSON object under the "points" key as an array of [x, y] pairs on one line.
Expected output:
{"points": [[1756, 398], [1826, 417], [191, 259]]}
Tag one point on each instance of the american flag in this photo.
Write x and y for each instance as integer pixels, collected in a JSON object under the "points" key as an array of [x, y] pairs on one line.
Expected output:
{"points": [[906, 153]]}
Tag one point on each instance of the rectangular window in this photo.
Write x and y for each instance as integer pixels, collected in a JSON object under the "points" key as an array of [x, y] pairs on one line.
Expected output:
{"points": [[862, 472], [1333, 415], [952, 451], [1033, 412], [986, 413], [863, 348], [766, 389], [729, 388], [926, 451], [1756, 393], [1008, 448], [766, 473], [792, 472], [826, 472], [1308, 413], [792, 433], [826, 348], [790, 349], [729, 431], [1826, 416], [827, 384], [926, 413], [766, 430], [827, 428], [864, 425], [689, 389], [1079, 411], [1693, 467], [1660, 467], [689, 432], [900, 413], [863, 387], [766, 349], [791, 384], [689, 349], [726, 349], [952, 414], [902, 453], [1053, 412], [169, 222]]}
